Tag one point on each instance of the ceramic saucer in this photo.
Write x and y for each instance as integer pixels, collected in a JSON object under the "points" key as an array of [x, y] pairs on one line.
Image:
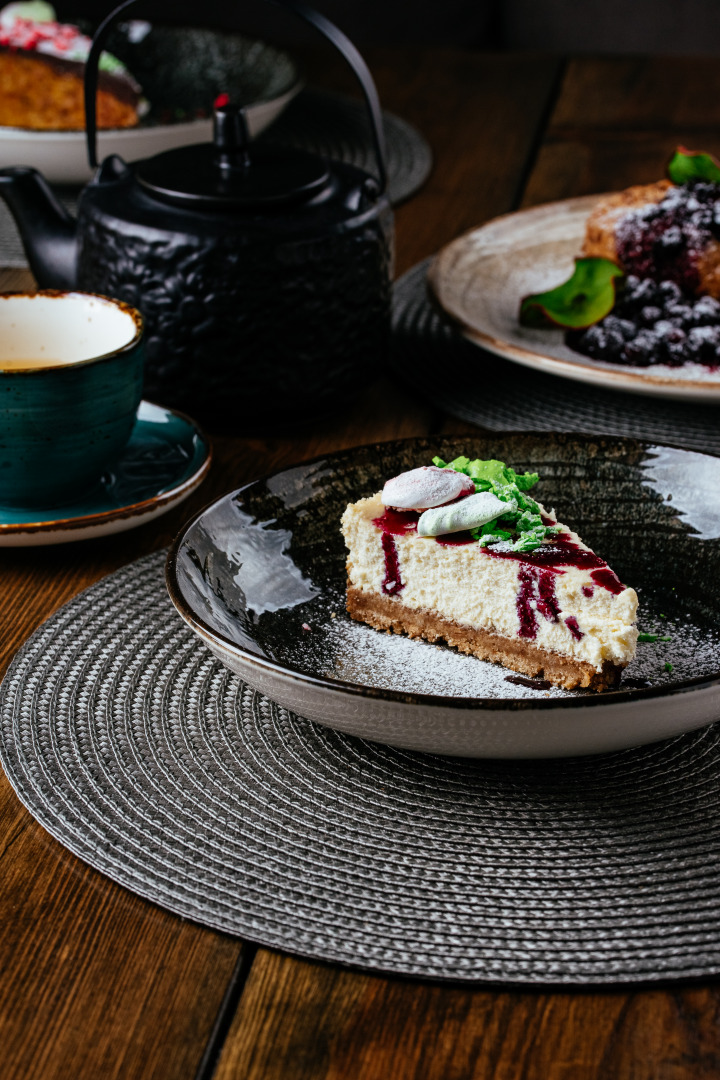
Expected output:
{"points": [[167, 457]]}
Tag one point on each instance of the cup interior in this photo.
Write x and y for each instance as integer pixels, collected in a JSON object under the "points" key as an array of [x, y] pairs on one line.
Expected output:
{"points": [[55, 329]]}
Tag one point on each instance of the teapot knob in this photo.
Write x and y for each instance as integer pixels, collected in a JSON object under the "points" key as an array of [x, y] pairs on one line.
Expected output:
{"points": [[231, 137], [110, 169]]}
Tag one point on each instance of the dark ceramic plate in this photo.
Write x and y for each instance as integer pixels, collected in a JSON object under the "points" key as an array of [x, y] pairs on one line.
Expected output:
{"points": [[260, 576], [182, 69]]}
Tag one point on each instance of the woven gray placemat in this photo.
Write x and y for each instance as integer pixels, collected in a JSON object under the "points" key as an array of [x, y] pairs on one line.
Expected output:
{"points": [[337, 127], [139, 752], [433, 359], [330, 125]]}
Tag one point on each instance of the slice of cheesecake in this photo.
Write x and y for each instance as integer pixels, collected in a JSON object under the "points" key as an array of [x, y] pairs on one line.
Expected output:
{"points": [[469, 558]]}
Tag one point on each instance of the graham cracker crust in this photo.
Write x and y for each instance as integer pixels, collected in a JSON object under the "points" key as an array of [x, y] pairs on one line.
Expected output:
{"points": [[518, 654]]}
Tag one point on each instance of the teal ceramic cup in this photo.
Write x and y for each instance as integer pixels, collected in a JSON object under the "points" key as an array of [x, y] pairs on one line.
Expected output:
{"points": [[71, 369]]}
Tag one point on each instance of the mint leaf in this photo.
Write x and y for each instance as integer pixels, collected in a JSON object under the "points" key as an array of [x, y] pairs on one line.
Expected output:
{"points": [[585, 298], [528, 541], [529, 521], [460, 464], [687, 165], [492, 471], [491, 537], [524, 480]]}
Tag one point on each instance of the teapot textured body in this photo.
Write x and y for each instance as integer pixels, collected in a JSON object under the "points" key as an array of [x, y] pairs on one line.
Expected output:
{"points": [[275, 313], [263, 274]]}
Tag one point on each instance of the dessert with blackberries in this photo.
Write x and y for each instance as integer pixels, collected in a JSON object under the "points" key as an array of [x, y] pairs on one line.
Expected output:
{"points": [[460, 552], [42, 66], [647, 288]]}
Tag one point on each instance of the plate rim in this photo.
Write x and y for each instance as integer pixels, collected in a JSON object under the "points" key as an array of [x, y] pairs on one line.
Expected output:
{"points": [[411, 698], [611, 377], [50, 135], [135, 509]]}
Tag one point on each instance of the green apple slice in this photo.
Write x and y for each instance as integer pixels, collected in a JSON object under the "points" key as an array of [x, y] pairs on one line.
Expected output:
{"points": [[584, 299]]}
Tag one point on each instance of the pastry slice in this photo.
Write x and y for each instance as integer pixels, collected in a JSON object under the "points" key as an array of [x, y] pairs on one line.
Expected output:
{"points": [[461, 553], [42, 68], [661, 231]]}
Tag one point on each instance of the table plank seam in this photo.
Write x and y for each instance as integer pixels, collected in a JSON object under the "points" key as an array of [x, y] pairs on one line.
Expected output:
{"points": [[13, 839], [544, 123], [226, 1012]]}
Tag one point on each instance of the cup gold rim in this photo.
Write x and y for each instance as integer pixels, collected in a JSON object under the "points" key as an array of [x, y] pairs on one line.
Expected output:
{"points": [[56, 294]]}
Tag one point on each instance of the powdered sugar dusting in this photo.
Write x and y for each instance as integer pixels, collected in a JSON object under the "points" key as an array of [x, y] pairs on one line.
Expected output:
{"points": [[340, 648], [395, 662]]}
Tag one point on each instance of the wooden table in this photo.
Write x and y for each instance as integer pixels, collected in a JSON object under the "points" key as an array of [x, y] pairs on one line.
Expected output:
{"points": [[96, 983]]}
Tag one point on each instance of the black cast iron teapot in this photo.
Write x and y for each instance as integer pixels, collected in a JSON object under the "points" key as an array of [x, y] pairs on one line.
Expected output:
{"points": [[263, 273]]}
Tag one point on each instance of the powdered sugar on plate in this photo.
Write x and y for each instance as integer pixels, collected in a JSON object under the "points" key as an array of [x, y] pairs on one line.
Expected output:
{"points": [[342, 649]]}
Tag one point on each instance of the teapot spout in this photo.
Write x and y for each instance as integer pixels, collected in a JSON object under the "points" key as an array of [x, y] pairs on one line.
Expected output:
{"points": [[47, 230]]}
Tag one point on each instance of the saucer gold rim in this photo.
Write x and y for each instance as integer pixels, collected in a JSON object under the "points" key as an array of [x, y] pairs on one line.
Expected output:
{"points": [[135, 509]]}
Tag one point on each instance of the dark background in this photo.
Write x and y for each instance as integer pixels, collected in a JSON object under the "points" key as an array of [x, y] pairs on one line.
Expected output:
{"points": [[623, 26]]}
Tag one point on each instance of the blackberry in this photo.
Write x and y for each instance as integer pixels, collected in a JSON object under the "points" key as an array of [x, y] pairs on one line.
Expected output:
{"points": [[669, 292], [624, 327], [706, 311], [640, 352], [586, 341], [670, 241], [643, 292], [679, 314], [704, 345], [649, 315]]}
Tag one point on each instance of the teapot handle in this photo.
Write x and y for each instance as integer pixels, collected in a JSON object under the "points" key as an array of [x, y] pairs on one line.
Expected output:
{"points": [[328, 30]]}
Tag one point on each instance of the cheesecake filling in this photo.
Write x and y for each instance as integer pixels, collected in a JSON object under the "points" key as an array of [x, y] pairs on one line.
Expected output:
{"points": [[559, 596]]}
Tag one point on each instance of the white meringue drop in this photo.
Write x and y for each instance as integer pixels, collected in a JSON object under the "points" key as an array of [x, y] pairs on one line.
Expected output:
{"points": [[428, 486], [468, 513]]}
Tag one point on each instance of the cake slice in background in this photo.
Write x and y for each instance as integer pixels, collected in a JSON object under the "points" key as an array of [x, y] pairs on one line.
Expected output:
{"points": [[42, 66]]}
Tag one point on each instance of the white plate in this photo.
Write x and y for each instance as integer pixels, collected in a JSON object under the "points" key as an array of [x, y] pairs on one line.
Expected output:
{"points": [[480, 279], [61, 156]]}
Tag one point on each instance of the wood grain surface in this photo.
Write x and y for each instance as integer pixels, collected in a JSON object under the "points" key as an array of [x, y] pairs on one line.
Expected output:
{"points": [[97, 983]]}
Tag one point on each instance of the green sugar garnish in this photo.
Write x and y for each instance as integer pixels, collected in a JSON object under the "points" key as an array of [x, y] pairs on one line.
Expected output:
{"points": [[668, 667], [524, 524]]}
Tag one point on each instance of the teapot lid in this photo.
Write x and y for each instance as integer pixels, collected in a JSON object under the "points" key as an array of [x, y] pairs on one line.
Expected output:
{"points": [[229, 172]]}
